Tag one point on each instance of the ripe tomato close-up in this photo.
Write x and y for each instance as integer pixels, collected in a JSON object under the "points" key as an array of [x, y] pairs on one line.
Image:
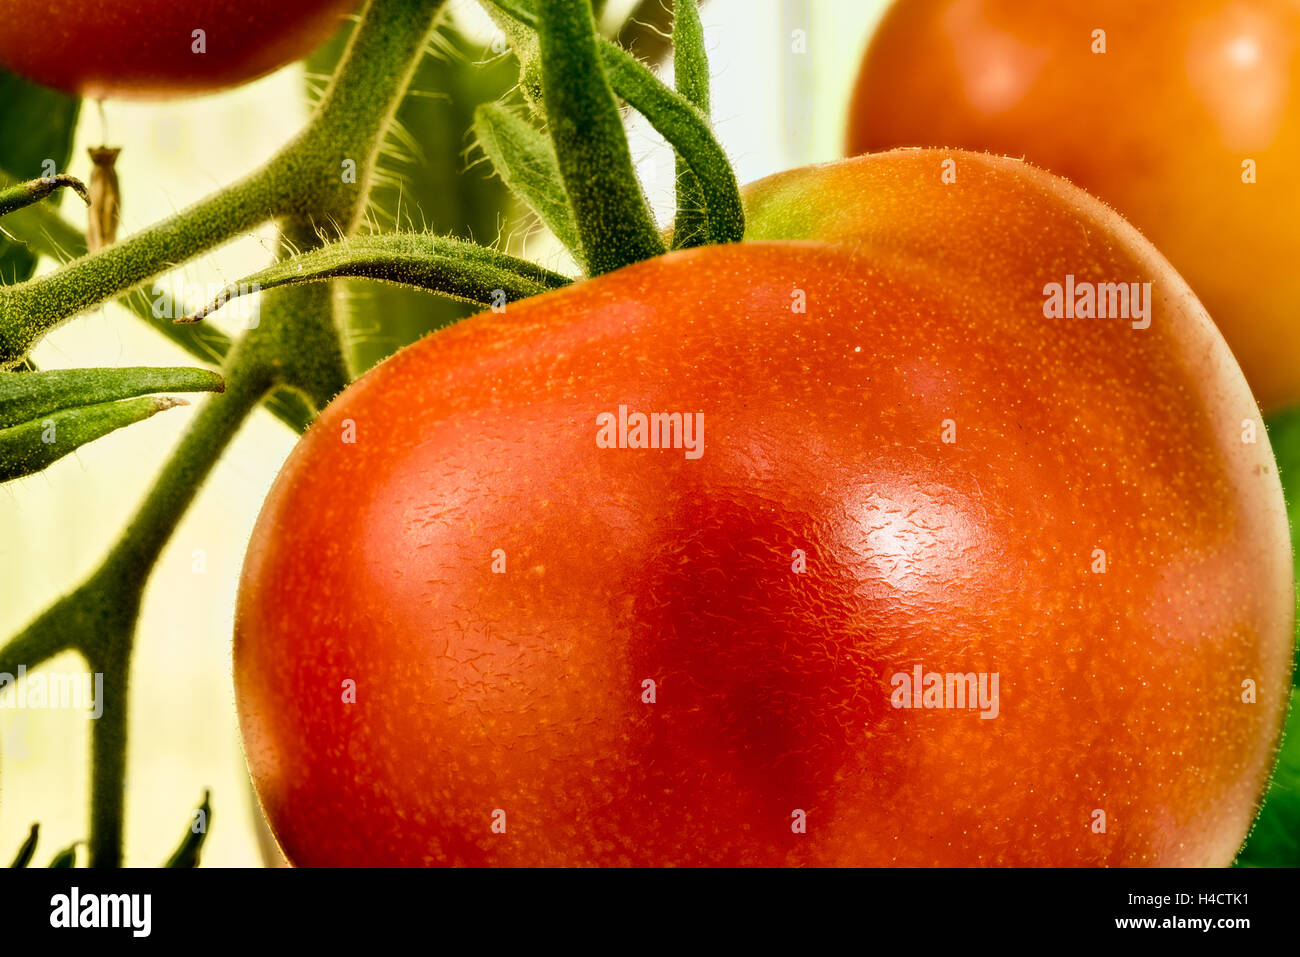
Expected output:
{"points": [[484, 620], [1184, 116], [151, 49]]}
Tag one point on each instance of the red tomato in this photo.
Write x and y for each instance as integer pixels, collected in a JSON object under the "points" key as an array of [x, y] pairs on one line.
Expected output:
{"points": [[149, 49], [468, 634], [1188, 102]]}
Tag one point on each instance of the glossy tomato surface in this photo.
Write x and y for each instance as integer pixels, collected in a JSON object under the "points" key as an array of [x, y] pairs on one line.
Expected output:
{"points": [[146, 49], [1188, 100], [467, 634]]}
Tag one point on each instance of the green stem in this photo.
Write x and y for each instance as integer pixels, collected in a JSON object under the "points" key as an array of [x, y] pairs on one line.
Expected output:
{"points": [[13, 198], [357, 110], [673, 117], [52, 633], [691, 76], [108, 763], [51, 235], [120, 581], [687, 130], [31, 309], [614, 223]]}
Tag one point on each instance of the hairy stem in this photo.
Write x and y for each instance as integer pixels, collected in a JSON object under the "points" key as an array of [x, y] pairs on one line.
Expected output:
{"points": [[31, 309], [691, 76], [108, 764], [49, 234], [357, 110], [614, 223], [25, 194], [119, 583]]}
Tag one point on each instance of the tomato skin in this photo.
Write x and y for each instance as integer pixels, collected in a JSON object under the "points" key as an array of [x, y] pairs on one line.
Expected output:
{"points": [[1159, 126], [523, 691], [143, 49]]}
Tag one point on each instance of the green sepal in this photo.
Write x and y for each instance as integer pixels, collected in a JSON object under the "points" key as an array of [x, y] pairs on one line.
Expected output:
{"points": [[66, 857], [187, 852], [28, 849], [30, 395], [687, 130], [525, 159], [450, 267], [33, 446]]}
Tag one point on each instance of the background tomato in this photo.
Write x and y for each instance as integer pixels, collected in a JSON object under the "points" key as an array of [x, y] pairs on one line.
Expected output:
{"points": [[522, 692], [145, 48], [1159, 125]]}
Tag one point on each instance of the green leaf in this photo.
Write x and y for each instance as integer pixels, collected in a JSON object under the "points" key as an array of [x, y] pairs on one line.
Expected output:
{"points": [[450, 267], [1275, 839], [34, 394], [1284, 435], [36, 126], [46, 415], [518, 22], [187, 852], [66, 857], [615, 227], [35, 445], [25, 194], [525, 159], [691, 75], [28, 850]]}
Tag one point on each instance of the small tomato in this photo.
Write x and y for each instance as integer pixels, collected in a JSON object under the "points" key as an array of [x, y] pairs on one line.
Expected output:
{"points": [[1182, 115], [152, 49]]}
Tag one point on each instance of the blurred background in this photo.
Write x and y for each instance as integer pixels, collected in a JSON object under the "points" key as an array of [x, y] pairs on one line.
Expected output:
{"points": [[782, 74]]}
